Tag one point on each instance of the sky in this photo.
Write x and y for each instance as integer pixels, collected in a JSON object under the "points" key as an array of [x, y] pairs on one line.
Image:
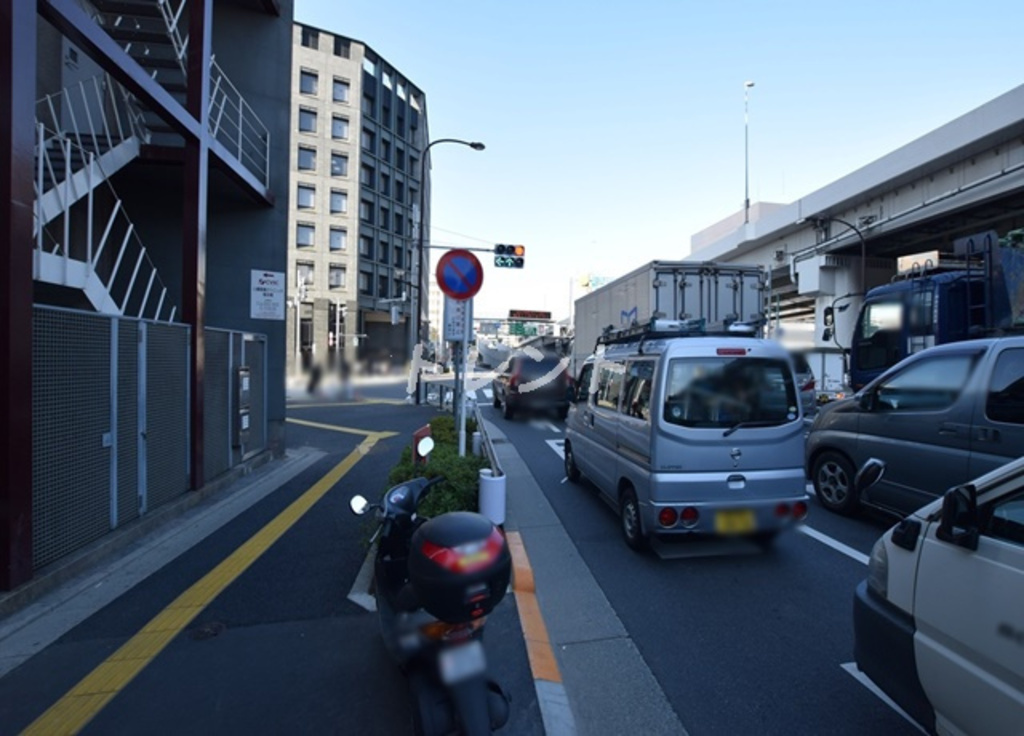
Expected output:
{"points": [[615, 131]]}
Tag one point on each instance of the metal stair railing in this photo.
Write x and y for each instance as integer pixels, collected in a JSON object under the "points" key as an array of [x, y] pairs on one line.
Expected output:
{"points": [[232, 121], [83, 262]]}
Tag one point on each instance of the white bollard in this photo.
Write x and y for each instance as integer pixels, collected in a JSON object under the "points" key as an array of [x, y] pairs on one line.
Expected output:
{"points": [[492, 496], [476, 444]]}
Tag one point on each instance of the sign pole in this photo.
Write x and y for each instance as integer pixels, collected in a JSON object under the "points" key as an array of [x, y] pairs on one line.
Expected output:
{"points": [[467, 331]]}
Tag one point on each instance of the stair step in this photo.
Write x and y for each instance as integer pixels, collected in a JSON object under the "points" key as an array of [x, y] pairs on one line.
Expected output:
{"points": [[131, 35], [126, 7]]}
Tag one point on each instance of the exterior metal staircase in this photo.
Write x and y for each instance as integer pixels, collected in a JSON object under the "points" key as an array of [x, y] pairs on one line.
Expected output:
{"points": [[150, 31], [83, 238]]}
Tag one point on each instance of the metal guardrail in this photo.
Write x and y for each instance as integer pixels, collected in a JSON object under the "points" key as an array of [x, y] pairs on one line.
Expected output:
{"points": [[485, 443]]}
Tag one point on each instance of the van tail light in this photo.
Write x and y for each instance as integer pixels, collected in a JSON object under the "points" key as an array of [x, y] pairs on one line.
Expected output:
{"points": [[782, 510], [800, 511], [689, 516], [667, 517], [515, 379]]}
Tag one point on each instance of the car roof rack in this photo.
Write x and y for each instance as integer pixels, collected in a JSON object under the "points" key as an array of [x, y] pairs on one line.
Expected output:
{"points": [[660, 329]]}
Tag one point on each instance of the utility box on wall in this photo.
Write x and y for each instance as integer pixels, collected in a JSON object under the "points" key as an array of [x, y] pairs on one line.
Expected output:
{"points": [[242, 418]]}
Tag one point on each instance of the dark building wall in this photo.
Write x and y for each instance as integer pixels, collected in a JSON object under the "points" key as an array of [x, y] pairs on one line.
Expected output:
{"points": [[255, 51]]}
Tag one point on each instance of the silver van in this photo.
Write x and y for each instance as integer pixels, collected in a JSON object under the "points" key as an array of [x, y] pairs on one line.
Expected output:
{"points": [[938, 418], [690, 434]]}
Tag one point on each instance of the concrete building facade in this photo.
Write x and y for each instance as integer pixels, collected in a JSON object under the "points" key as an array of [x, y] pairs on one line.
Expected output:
{"points": [[358, 127]]}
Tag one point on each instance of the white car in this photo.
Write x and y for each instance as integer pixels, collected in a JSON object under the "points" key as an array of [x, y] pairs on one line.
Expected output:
{"points": [[939, 622]]}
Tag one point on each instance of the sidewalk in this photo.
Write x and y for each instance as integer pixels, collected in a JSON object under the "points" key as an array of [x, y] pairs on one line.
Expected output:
{"points": [[608, 687]]}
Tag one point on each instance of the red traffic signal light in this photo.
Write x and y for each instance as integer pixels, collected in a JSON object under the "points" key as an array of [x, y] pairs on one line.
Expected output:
{"points": [[509, 256]]}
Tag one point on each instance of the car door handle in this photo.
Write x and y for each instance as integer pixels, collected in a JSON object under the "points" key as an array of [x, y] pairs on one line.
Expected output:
{"points": [[948, 429], [985, 434]]}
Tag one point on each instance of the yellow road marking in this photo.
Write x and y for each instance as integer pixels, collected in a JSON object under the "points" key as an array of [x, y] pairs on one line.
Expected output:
{"points": [[346, 430], [361, 402], [81, 704], [538, 646]]}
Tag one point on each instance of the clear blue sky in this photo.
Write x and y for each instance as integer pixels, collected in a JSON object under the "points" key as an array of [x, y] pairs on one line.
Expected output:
{"points": [[614, 131]]}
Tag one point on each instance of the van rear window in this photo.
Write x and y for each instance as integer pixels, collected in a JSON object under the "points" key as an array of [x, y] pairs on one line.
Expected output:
{"points": [[721, 392]]}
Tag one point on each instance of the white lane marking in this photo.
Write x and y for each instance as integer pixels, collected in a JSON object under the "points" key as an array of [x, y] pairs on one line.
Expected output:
{"points": [[558, 446], [564, 480], [834, 544], [864, 680], [541, 424], [360, 593], [488, 393]]}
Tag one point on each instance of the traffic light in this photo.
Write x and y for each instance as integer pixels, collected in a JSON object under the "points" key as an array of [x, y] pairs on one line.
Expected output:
{"points": [[509, 256]]}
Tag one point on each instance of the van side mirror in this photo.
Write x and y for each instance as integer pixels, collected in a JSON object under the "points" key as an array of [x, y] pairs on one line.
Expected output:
{"points": [[828, 317], [870, 473], [959, 521], [866, 401], [826, 334]]}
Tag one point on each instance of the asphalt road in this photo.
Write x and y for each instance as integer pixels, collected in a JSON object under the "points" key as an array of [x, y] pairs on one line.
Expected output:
{"points": [[741, 643], [281, 649]]}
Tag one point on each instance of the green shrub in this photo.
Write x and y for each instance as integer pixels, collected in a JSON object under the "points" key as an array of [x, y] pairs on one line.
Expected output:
{"points": [[442, 429], [460, 490]]}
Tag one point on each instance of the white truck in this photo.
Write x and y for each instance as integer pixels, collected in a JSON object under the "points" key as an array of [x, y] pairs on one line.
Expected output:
{"points": [[719, 293]]}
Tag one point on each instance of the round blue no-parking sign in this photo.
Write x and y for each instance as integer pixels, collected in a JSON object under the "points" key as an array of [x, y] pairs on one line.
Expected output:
{"points": [[459, 274]]}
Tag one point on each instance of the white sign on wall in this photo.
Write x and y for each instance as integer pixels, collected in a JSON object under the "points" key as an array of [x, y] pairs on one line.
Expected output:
{"points": [[267, 296]]}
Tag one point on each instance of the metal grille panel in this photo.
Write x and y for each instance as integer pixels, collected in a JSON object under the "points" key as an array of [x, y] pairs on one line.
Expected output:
{"points": [[127, 421], [71, 412], [216, 422], [255, 358], [167, 413]]}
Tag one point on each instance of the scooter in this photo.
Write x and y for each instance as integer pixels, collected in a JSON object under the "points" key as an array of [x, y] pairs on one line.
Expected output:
{"points": [[435, 582]]}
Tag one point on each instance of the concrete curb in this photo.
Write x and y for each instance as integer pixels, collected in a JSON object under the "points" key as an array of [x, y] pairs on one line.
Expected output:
{"points": [[607, 687]]}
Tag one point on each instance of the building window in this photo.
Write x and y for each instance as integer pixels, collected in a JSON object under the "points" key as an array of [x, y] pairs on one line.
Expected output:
{"points": [[341, 47], [399, 192], [339, 164], [364, 283], [365, 246], [307, 159], [382, 286], [412, 165], [306, 272], [310, 38], [386, 79], [385, 184], [400, 158], [366, 211], [307, 120], [385, 115], [339, 202], [369, 66], [401, 91], [398, 256], [383, 249], [305, 197], [368, 106], [336, 277], [305, 235], [339, 238], [398, 222], [308, 82], [385, 150], [339, 127], [340, 90], [368, 141], [385, 218], [366, 175], [412, 195], [400, 125]]}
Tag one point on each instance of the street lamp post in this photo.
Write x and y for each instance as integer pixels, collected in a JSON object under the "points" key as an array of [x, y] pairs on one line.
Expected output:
{"points": [[822, 222], [415, 296], [746, 151]]}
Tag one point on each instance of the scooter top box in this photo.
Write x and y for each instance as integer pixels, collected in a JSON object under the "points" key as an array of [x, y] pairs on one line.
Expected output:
{"points": [[459, 566]]}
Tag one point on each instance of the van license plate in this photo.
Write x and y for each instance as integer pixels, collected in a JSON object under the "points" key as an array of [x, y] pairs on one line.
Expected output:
{"points": [[462, 662], [735, 521]]}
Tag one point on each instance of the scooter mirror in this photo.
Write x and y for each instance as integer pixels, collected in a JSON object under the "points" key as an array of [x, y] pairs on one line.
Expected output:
{"points": [[358, 504], [425, 446]]}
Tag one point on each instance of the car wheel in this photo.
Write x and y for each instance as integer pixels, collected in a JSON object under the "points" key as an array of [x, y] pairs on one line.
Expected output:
{"points": [[629, 516], [833, 482], [508, 412], [495, 400], [571, 471]]}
